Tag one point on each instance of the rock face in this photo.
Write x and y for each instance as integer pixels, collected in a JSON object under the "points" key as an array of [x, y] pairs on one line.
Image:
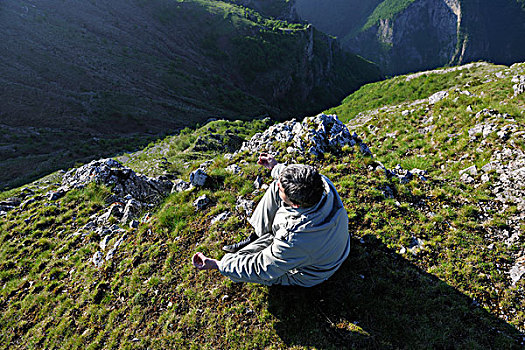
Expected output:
{"points": [[422, 34], [122, 180]]}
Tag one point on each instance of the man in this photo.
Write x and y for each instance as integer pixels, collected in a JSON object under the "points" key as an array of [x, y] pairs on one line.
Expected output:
{"points": [[301, 232]]}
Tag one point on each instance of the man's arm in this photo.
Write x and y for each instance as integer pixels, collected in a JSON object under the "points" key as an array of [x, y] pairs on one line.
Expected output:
{"points": [[201, 262], [266, 266]]}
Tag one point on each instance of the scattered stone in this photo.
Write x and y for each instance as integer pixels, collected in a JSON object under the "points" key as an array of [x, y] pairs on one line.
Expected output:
{"points": [[98, 259], [517, 271], [104, 242], [132, 209], [258, 182], [201, 202], [438, 96], [519, 87], [466, 178], [198, 177], [314, 135], [180, 185], [387, 192], [146, 218], [471, 170], [115, 210], [415, 245], [112, 251], [245, 205], [420, 173], [234, 169], [134, 224], [221, 217], [122, 180], [59, 193], [29, 201]]}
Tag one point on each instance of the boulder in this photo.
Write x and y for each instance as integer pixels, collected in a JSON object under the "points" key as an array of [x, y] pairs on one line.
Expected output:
{"points": [[131, 210], [201, 202], [221, 217], [314, 135], [180, 185], [198, 177], [123, 181]]}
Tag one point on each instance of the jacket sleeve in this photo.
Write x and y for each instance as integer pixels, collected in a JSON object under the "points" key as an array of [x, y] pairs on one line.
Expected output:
{"points": [[265, 266]]}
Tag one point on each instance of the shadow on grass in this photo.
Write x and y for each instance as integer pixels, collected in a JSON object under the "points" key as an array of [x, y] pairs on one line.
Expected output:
{"points": [[378, 300]]}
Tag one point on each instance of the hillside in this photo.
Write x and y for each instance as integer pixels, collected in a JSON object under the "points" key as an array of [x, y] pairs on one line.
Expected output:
{"points": [[412, 35], [85, 79], [432, 181]]}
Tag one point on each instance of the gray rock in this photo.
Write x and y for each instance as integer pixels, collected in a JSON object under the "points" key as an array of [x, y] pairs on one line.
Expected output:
{"points": [[471, 170], [466, 178], [245, 205], [122, 180], [234, 169], [519, 87], [112, 251], [104, 242], [180, 185], [11, 202], [115, 210], [257, 183], [201, 202], [438, 96], [314, 135], [54, 195], [518, 270], [198, 177], [420, 173], [132, 209], [134, 224], [221, 217], [491, 166], [98, 259]]}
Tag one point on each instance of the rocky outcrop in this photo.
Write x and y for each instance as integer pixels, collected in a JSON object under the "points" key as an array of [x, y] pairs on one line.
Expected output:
{"points": [[123, 181], [314, 136]]}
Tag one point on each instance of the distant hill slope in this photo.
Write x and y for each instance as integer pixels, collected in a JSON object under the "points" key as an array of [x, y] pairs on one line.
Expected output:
{"points": [[85, 78], [411, 35]]}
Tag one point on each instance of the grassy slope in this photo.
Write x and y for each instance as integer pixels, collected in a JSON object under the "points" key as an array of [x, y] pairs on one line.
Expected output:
{"points": [[88, 79], [454, 293], [386, 10]]}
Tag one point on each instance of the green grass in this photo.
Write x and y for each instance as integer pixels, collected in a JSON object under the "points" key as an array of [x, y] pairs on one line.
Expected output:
{"points": [[386, 10], [453, 292]]}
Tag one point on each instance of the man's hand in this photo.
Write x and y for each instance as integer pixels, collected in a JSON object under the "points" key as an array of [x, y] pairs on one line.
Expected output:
{"points": [[201, 262], [267, 160]]}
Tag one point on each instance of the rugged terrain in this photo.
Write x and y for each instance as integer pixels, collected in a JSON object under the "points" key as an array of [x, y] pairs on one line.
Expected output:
{"points": [[412, 35], [429, 167], [84, 79]]}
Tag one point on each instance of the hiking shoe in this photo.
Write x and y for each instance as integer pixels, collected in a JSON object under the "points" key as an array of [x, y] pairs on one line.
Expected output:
{"points": [[232, 248]]}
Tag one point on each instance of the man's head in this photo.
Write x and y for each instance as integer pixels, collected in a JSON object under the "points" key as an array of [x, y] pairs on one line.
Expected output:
{"points": [[301, 184]]}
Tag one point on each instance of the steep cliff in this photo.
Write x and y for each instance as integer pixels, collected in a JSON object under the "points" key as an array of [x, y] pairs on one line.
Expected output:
{"points": [[410, 35], [421, 36]]}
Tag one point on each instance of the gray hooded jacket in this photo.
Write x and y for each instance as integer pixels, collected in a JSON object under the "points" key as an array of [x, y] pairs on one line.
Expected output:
{"points": [[296, 246]]}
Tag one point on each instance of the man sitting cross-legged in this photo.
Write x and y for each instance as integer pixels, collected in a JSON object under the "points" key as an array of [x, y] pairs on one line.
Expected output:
{"points": [[300, 232]]}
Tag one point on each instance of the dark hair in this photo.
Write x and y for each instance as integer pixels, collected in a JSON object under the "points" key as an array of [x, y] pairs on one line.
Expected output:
{"points": [[302, 184]]}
